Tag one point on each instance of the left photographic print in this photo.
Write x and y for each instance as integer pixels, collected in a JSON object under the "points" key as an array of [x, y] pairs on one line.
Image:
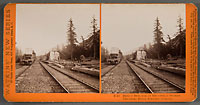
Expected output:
{"points": [[57, 48]]}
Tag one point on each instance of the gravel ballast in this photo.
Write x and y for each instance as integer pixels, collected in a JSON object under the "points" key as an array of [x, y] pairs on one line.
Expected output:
{"points": [[37, 80]]}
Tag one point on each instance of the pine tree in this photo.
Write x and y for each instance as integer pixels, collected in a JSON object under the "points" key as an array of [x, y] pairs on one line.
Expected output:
{"points": [[150, 51], [71, 37], [158, 37], [180, 37], [180, 25], [83, 41], [104, 54], [18, 54], [94, 33], [145, 47]]}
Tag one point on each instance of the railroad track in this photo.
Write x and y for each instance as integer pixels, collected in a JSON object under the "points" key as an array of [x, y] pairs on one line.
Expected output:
{"points": [[155, 83], [21, 70], [177, 79], [68, 83], [123, 80], [82, 77], [141, 87], [108, 69]]}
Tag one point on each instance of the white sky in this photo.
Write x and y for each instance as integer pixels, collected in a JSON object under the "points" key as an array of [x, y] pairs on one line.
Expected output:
{"points": [[129, 26], [44, 26]]}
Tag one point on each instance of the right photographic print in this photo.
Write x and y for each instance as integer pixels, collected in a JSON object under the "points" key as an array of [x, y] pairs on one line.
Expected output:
{"points": [[143, 48]]}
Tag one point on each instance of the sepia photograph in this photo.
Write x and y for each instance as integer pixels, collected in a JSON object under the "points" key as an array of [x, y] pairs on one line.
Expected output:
{"points": [[143, 48], [57, 48]]}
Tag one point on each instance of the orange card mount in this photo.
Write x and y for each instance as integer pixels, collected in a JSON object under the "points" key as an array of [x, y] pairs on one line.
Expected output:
{"points": [[100, 52]]}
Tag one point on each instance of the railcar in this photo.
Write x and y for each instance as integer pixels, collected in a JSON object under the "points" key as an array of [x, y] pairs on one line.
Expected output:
{"points": [[114, 58], [28, 59]]}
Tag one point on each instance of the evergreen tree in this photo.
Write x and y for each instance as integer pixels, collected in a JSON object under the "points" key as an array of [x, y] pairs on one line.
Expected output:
{"points": [[169, 45], [104, 54], [180, 25], [145, 47], [158, 37], [94, 33], [18, 54], [71, 37], [180, 42]]}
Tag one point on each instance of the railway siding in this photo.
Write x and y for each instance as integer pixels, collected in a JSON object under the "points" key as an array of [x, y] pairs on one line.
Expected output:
{"points": [[176, 79], [106, 69], [156, 84], [20, 70], [87, 79], [71, 85]]}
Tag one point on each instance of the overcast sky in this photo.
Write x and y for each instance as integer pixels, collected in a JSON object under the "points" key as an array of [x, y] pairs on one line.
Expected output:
{"points": [[44, 26], [129, 26]]}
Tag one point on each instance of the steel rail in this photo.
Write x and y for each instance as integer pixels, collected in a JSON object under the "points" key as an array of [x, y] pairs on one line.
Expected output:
{"points": [[110, 69], [85, 83], [171, 83], [67, 90], [140, 78], [24, 70]]}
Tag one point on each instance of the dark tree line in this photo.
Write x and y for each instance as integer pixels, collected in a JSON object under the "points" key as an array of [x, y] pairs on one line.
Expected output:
{"points": [[89, 47], [104, 54], [18, 54], [173, 48]]}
